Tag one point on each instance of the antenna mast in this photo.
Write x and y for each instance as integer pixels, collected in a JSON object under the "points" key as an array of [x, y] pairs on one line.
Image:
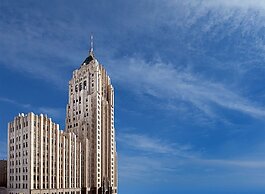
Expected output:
{"points": [[91, 43]]}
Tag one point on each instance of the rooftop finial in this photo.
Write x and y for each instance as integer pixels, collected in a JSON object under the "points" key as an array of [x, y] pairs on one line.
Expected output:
{"points": [[91, 44]]}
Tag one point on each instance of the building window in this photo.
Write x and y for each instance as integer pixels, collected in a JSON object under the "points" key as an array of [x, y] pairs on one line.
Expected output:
{"points": [[84, 85]]}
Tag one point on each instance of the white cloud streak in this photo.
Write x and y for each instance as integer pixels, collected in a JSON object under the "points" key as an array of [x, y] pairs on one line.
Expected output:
{"points": [[257, 4], [166, 82], [55, 113], [153, 145], [156, 160]]}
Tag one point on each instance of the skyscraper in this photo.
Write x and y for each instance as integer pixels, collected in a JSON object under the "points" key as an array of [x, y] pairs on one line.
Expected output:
{"points": [[90, 115]]}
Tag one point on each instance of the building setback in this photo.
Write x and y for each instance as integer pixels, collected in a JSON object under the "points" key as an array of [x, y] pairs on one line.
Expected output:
{"points": [[90, 115], [41, 158]]}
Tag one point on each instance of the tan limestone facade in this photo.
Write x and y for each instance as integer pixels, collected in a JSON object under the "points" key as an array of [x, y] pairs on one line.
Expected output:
{"points": [[41, 158], [90, 115]]}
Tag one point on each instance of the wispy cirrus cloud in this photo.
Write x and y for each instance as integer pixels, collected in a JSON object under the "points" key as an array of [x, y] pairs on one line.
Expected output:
{"points": [[257, 4], [164, 81], [168, 166], [55, 113], [153, 145], [192, 22], [3, 99]]}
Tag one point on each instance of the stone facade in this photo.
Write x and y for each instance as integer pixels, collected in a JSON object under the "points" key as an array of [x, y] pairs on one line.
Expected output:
{"points": [[90, 115], [41, 158]]}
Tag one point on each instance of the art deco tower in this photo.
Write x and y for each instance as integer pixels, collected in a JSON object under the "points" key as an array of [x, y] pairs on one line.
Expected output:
{"points": [[90, 115]]}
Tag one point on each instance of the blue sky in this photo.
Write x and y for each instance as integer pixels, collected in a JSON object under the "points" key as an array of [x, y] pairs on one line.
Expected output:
{"points": [[189, 84]]}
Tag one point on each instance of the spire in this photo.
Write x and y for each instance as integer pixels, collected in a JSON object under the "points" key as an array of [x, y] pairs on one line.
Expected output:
{"points": [[91, 56], [91, 45]]}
